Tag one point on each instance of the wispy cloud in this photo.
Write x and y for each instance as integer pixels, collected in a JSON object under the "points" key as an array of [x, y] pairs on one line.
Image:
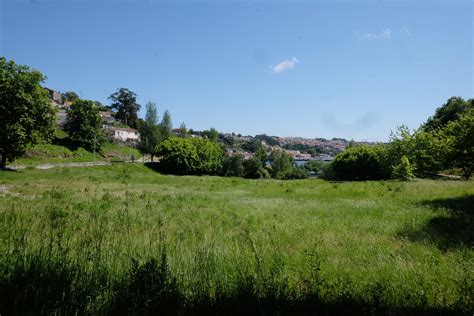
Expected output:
{"points": [[284, 65], [385, 34]]}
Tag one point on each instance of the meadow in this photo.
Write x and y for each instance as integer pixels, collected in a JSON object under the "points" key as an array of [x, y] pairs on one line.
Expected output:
{"points": [[124, 239]]}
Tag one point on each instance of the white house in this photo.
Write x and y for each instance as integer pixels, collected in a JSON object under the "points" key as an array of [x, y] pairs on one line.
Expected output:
{"points": [[126, 134]]}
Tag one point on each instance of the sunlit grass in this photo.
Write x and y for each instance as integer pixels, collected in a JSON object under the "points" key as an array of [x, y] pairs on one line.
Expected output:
{"points": [[230, 244]]}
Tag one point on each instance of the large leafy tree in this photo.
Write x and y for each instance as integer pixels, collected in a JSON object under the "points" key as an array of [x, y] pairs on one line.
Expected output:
{"points": [[450, 111], [125, 103], [84, 124], [459, 143], [150, 131], [421, 147], [26, 113], [280, 162]]}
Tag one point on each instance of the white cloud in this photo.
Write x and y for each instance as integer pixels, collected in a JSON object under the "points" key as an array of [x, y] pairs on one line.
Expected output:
{"points": [[284, 65], [385, 34]]}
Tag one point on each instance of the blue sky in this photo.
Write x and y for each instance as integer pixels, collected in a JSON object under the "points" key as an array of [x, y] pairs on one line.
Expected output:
{"points": [[352, 69]]}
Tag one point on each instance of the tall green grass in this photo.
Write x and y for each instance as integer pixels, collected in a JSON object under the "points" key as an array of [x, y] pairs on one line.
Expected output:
{"points": [[126, 240]]}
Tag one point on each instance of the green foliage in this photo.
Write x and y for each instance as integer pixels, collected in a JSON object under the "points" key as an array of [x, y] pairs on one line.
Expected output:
{"points": [[315, 166], [149, 130], [26, 113], [269, 140], [293, 173], [183, 131], [404, 170], [254, 169], [233, 166], [125, 103], [212, 134], [361, 163], [450, 111], [459, 143], [313, 150], [84, 124], [166, 126], [280, 162], [252, 146], [192, 156], [420, 147], [261, 154], [69, 96]]}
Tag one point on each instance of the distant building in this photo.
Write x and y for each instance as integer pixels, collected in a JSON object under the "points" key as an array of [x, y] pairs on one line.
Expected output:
{"points": [[55, 97], [125, 134], [106, 117]]}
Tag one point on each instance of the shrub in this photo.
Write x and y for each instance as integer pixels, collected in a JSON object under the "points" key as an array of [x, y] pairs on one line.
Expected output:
{"points": [[361, 163], [293, 173], [233, 166], [253, 169], [421, 148], [280, 162], [192, 156], [403, 171]]}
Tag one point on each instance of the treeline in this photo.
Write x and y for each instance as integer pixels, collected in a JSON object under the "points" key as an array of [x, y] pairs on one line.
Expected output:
{"points": [[445, 142]]}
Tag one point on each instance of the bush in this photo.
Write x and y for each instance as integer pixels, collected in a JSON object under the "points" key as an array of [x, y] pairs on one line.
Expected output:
{"points": [[233, 166], [361, 163], [421, 148], [191, 156], [404, 170], [253, 169], [280, 162], [293, 173]]}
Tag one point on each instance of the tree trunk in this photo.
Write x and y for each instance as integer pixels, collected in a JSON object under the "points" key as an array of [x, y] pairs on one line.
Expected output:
{"points": [[3, 160]]}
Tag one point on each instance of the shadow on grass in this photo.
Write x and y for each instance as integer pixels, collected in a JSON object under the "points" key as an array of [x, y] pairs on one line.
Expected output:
{"points": [[8, 169], [45, 285], [452, 230], [65, 142]]}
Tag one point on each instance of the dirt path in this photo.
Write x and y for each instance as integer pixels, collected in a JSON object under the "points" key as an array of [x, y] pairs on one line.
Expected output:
{"points": [[62, 164]]}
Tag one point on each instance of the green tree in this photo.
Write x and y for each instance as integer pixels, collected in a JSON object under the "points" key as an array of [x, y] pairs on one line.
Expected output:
{"points": [[212, 134], [253, 169], [233, 166], [183, 131], [26, 113], [360, 163], [192, 156], [83, 125], [166, 126], [315, 166], [125, 103], [403, 170], [69, 96], [450, 111], [261, 154], [421, 147], [280, 162], [459, 143], [149, 131]]}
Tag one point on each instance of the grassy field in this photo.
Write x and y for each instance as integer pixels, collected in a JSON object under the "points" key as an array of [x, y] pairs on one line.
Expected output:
{"points": [[124, 239]]}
